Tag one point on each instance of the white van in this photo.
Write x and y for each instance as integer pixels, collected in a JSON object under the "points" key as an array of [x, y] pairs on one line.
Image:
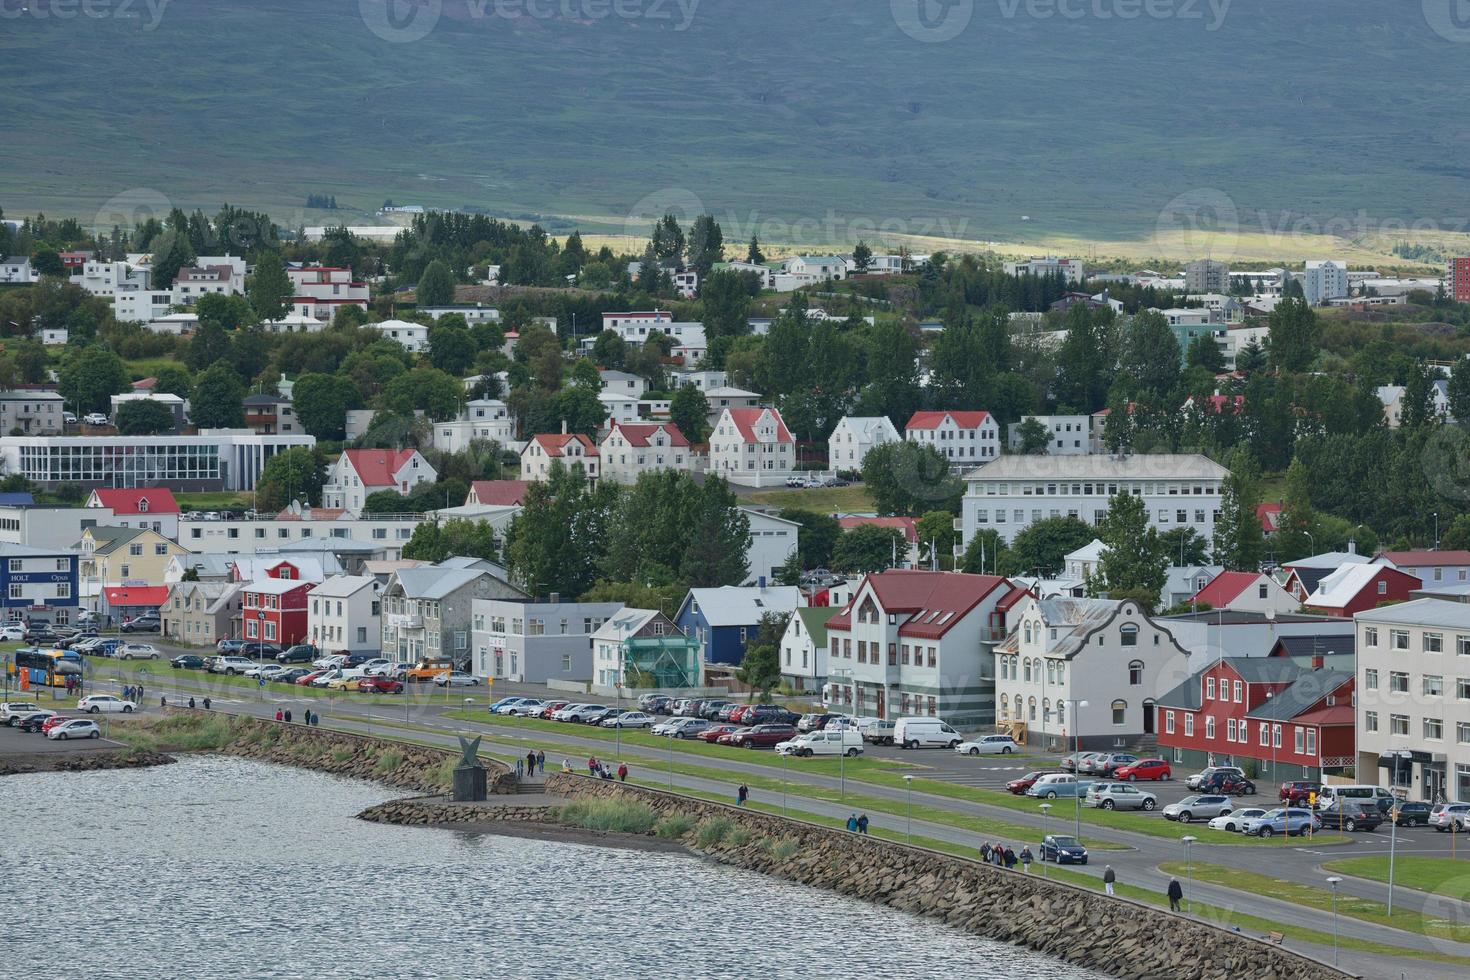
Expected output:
{"points": [[829, 741], [1329, 796], [918, 733]]}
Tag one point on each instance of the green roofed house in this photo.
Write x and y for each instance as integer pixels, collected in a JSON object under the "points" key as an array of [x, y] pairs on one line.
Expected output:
{"points": [[804, 648]]}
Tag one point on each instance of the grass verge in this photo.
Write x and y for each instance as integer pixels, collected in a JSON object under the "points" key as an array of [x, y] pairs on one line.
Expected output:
{"points": [[1437, 875], [614, 816]]}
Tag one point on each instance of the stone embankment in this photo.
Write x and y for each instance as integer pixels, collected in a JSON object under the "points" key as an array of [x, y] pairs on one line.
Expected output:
{"points": [[82, 762], [1111, 935], [439, 811]]}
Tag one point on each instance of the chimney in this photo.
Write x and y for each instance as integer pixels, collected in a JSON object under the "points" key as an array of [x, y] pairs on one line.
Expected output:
{"points": [[555, 598], [1317, 662], [761, 581], [563, 426], [1352, 547]]}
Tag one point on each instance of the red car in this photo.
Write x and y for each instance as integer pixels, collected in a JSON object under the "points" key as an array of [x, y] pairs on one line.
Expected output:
{"points": [[1144, 769], [760, 737], [741, 712], [380, 685], [1020, 786], [715, 732], [53, 721], [552, 706], [305, 679]]}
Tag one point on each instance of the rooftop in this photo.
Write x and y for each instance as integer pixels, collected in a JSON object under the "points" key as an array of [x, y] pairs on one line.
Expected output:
{"points": [[1421, 612], [1159, 466]]}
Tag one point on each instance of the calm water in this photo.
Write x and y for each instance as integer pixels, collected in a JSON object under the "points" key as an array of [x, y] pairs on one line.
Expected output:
{"points": [[228, 868]]}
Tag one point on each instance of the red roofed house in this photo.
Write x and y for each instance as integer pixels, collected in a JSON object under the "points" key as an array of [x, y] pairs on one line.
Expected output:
{"points": [[1216, 404], [274, 610], [1355, 588], [908, 525], [571, 449], [752, 447], [966, 439], [1246, 592], [631, 448], [1433, 568], [1270, 517], [912, 642], [359, 473], [496, 493], [154, 509]]}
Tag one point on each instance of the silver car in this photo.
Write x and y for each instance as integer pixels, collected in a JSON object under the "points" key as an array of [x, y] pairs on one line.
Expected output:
{"points": [[1199, 808], [1120, 796]]}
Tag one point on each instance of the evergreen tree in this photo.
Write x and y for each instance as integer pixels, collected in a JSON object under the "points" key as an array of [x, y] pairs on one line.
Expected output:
{"points": [[753, 254], [270, 289], [862, 256], [1238, 540], [1295, 334], [706, 245], [719, 536], [1293, 529], [435, 286], [1459, 393], [1417, 402], [218, 397], [1133, 561]]}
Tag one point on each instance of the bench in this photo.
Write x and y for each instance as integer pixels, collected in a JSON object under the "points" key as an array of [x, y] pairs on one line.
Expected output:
{"points": [[1275, 938]]}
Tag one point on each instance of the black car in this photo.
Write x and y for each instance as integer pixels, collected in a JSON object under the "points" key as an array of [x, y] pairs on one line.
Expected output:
{"points": [[146, 623], [1063, 849], [358, 659], [187, 661], [256, 650], [301, 653], [655, 704], [1409, 814], [33, 723], [1229, 784], [770, 714], [1351, 816], [291, 675], [42, 637]]}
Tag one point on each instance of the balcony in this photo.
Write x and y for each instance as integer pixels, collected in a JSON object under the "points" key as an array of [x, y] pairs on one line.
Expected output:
{"points": [[404, 621]]}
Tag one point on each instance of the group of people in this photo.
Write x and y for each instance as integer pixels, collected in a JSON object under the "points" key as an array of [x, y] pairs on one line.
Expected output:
{"points": [[534, 761], [131, 692], [1003, 856], [596, 767], [312, 718], [857, 824], [73, 684], [206, 705]]}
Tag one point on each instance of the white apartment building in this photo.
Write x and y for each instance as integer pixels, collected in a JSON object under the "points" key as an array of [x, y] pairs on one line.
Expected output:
{"points": [[1070, 435], [966, 439], [752, 447], [1207, 276], [571, 449], [386, 535], [359, 473], [1324, 280], [816, 268], [472, 313], [139, 304], [344, 614], [483, 418], [214, 459], [772, 541], [1013, 492], [803, 650], [1413, 698], [413, 337], [631, 449], [1085, 669], [104, 278], [322, 290], [854, 436], [1071, 269], [39, 413]]}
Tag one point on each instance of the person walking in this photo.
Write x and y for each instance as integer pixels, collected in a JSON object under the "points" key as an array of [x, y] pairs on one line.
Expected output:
{"points": [[531, 763], [852, 824], [1175, 893], [1026, 859], [862, 823], [1010, 857], [985, 851], [592, 765], [280, 715], [1109, 877], [541, 760], [622, 772], [206, 704], [520, 764], [742, 794], [139, 692], [191, 701], [288, 716]]}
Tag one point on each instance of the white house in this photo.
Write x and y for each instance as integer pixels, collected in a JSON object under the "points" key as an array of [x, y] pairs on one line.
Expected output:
{"points": [[1246, 592], [816, 268], [17, 269], [853, 436], [322, 290], [472, 313], [803, 650], [630, 449], [139, 304], [966, 439], [414, 337], [483, 418], [772, 541], [192, 282], [344, 614], [1071, 269], [752, 447], [617, 407], [1392, 397], [1067, 435], [1088, 669], [572, 449], [359, 473]]}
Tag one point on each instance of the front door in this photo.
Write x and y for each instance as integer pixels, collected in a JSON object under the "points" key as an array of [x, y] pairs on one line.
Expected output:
{"points": [[1148, 717], [881, 702]]}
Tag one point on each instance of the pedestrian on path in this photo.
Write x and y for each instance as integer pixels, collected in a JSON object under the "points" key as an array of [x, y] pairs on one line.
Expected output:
{"points": [[163, 701], [206, 704], [862, 823], [520, 765], [1026, 859], [1109, 876], [1010, 858], [852, 824], [1175, 893], [191, 701], [592, 765], [531, 763], [541, 760], [742, 794], [288, 716], [985, 851], [139, 692], [280, 715], [622, 772]]}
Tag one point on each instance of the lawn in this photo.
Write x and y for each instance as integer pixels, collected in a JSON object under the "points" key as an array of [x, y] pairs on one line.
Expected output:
{"points": [[148, 367], [218, 500], [823, 500], [1320, 897], [1428, 874]]}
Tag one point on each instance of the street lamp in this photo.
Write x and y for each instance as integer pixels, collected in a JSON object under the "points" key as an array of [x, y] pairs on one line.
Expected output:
{"points": [[1333, 880], [1189, 873], [842, 756], [785, 780], [908, 782], [1045, 809], [1076, 703]]}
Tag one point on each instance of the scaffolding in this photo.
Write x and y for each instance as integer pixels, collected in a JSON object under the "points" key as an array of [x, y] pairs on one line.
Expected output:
{"points": [[662, 661]]}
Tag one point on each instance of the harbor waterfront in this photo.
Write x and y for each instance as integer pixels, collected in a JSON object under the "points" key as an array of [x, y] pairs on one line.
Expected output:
{"points": [[230, 867]]}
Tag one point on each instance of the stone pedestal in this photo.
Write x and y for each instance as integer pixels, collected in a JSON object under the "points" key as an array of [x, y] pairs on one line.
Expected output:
{"points": [[469, 784]]}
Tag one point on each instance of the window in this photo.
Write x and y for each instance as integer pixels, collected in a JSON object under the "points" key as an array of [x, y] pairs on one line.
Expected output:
{"points": [[1382, 588], [1236, 697], [1398, 682], [1168, 722], [1398, 724], [135, 550], [1209, 689], [1370, 679], [1433, 643], [566, 662], [1297, 731], [1370, 720], [1370, 636], [1189, 726], [1265, 735], [1276, 736], [1434, 729], [1232, 729], [1120, 712], [1129, 635], [1210, 727], [1398, 639], [1135, 673], [1462, 688], [1433, 686]]}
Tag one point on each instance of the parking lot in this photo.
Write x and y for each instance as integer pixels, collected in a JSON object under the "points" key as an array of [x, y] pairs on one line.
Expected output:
{"points": [[16, 744]]}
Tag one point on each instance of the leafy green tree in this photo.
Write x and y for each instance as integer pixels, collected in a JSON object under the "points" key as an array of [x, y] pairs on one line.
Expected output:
{"points": [[868, 548], [1042, 547], [1085, 359], [1239, 543], [908, 479], [1035, 440], [321, 403], [1459, 395], [436, 286], [893, 375], [555, 543], [451, 349], [689, 410], [210, 345], [90, 377], [580, 409], [435, 542], [437, 394], [862, 256], [270, 289], [609, 350], [1297, 524], [1133, 561], [667, 239], [297, 473], [1205, 353], [936, 538], [171, 252], [819, 534], [719, 536], [230, 312], [725, 296], [760, 668], [1150, 354], [1417, 408], [144, 417], [173, 380], [986, 554], [1185, 547], [218, 399], [32, 361], [1295, 335]]}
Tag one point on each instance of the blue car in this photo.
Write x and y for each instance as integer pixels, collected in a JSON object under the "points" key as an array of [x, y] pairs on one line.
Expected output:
{"points": [[1063, 849], [1293, 822]]}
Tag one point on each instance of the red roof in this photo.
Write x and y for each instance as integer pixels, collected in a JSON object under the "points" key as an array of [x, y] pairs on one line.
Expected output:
{"points": [[1418, 559], [1342, 713], [376, 467], [1012, 597], [638, 433], [904, 524], [1218, 402], [136, 595], [932, 420], [1225, 588], [499, 493], [156, 501], [1269, 515], [552, 443], [746, 419], [925, 596]]}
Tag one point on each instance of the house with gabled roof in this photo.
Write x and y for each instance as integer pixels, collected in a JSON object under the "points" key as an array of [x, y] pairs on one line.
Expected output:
{"points": [[1300, 577], [630, 449], [1245, 591], [497, 493], [913, 642], [1355, 588], [568, 448], [1435, 568], [427, 611], [153, 508], [359, 473], [966, 439], [803, 651], [752, 447], [202, 613], [854, 437], [724, 620], [1085, 671]]}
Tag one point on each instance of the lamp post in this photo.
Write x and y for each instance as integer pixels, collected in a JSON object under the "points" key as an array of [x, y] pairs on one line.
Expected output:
{"points": [[908, 782], [785, 780], [1076, 704], [842, 756], [1333, 880], [1188, 873], [1045, 809]]}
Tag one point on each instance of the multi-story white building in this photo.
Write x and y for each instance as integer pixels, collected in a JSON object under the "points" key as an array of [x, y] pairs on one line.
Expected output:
{"points": [[816, 268], [1324, 280], [1069, 435], [803, 651], [1013, 492], [473, 313], [1413, 693], [569, 448], [214, 459], [104, 278], [536, 641], [413, 336], [385, 535], [1207, 276], [192, 282], [1071, 269], [36, 413], [966, 439], [344, 614], [772, 541], [752, 447], [322, 290], [631, 449], [1085, 669], [427, 611], [854, 436], [918, 643], [17, 269], [359, 473], [134, 303], [481, 419]]}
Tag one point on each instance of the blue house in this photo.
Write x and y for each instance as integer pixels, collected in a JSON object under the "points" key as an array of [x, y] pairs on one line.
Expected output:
{"points": [[38, 582], [723, 620]]}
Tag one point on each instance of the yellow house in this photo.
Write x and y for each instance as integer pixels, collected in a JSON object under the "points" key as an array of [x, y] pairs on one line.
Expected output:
{"points": [[117, 556]]}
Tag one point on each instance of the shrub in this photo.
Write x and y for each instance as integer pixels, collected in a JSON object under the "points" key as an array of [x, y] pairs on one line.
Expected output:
{"points": [[387, 762], [739, 837], [784, 850], [617, 816], [713, 831], [674, 826], [342, 755]]}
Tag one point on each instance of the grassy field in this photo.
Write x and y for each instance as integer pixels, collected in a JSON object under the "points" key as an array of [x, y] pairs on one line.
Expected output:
{"points": [[218, 500], [1320, 897], [1429, 874], [823, 500], [148, 367]]}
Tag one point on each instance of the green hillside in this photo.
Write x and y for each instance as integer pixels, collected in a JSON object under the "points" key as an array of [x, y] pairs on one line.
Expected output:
{"points": [[765, 112]]}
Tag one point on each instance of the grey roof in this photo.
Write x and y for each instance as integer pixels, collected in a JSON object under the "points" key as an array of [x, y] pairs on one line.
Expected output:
{"points": [[266, 400], [1184, 696], [21, 551], [732, 605], [1325, 645], [1154, 466], [30, 396], [1310, 687], [433, 582], [342, 586], [1306, 686], [1242, 617], [1421, 612], [207, 564]]}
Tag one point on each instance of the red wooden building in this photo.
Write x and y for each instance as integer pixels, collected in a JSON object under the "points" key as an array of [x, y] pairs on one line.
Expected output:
{"points": [[274, 610]]}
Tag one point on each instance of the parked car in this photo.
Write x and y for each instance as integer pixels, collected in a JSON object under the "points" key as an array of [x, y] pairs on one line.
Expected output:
{"points": [[32, 721], [1205, 807], [308, 677], [456, 678], [94, 418], [1193, 782], [301, 653], [15, 709], [330, 662], [710, 710], [12, 632], [1228, 783], [772, 714], [655, 704], [258, 650], [1120, 796], [1235, 820], [374, 666], [598, 717], [98, 703], [1108, 763], [231, 665], [1446, 816], [1021, 784], [76, 728], [1063, 849], [292, 674], [1058, 784], [1144, 769], [915, 733], [552, 707], [1074, 762], [50, 723], [1408, 813], [629, 719], [812, 722], [326, 677], [1351, 815], [228, 646], [501, 707], [988, 745], [187, 661], [840, 741], [1298, 792], [714, 732], [1292, 821], [577, 712], [378, 684], [525, 708], [760, 736], [680, 727], [267, 671], [137, 651], [146, 623], [879, 732]]}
